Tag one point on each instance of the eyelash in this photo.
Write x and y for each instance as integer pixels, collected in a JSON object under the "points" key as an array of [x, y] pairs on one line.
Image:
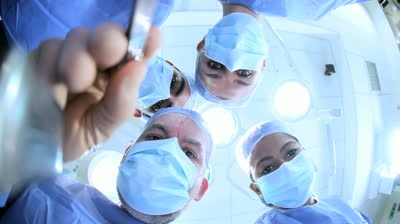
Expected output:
{"points": [[152, 137], [244, 73], [157, 105], [267, 172], [292, 152], [215, 65], [173, 81], [192, 154]]}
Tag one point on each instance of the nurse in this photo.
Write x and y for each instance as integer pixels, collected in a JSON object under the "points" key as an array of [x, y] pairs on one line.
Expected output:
{"points": [[164, 86], [234, 52], [282, 174], [231, 58]]}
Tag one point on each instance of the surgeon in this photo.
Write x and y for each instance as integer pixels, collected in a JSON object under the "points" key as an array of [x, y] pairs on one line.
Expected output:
{"points": [[234, 52], [164, 86], [174, 141], [282, 173], [231, 58], [158, 178]]}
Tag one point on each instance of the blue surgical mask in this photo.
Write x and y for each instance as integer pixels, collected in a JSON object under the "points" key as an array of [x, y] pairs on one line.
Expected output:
{"points": [[155, 177], [290, 185], [156, 84]]}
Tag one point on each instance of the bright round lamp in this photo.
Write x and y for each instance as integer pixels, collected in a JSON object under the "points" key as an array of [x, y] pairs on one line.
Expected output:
{"points": [[292, 101]]}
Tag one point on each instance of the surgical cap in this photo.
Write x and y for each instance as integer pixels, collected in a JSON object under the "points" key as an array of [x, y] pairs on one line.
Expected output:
{"points": [[237, 41], [156, 84], [196, 117], [256, 133]]}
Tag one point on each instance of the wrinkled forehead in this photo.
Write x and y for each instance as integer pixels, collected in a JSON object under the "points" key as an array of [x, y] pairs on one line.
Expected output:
{"points": [[177, 124]]}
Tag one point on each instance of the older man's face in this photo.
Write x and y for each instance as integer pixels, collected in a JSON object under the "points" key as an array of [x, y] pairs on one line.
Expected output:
{"points": [[192, 140]]}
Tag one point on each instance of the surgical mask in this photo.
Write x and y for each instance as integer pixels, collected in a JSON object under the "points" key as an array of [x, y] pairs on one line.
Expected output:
{"points": [[290, 185], [192, 101], [237, 41], [155, 177], [156, 84]]}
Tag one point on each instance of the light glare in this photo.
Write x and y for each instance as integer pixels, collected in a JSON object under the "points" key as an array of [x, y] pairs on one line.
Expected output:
{"points": [[222, 124], [292, 101]]}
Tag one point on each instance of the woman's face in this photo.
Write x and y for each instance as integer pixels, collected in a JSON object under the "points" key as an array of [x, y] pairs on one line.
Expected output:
{"points": [[271, 152], [225, 84]]}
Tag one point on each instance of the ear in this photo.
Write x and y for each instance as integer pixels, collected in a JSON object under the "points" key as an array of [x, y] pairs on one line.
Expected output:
{"points": [[254, 187], [203, 189], [137, 113], [200, 45]]}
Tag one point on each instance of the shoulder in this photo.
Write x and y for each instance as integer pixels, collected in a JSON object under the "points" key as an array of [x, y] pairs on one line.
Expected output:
{"points": [[270, 217]]}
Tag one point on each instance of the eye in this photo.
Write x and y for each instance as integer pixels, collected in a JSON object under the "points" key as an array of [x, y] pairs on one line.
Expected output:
{"points": [[244, 73], [160, 103], [173, 81], [152, 137], [215, 65], [189, 154], [292, 152], [267, 170], [156, 106]]}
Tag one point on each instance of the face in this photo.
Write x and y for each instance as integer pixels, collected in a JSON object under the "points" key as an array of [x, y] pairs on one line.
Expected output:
{"points": [[192, 141], [225, 84], [271, 152], [180, 93]]}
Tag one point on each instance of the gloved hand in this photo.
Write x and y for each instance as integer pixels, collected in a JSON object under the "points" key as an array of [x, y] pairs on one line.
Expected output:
{"points": [[93, 104]]}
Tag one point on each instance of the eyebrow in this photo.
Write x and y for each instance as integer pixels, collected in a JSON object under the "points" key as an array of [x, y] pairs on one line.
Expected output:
{"points": [[182, 86], [191, 141], [197, 144], [160, 127], [265, 158], [285, 145]]}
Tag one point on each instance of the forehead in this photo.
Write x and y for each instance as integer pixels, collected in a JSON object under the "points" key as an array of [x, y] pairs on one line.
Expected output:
{"points": [[269, 145], [180, 125]]}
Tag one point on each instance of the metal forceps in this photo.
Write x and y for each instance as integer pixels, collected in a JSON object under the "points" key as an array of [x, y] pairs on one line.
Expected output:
{"points": [[138, 30]]}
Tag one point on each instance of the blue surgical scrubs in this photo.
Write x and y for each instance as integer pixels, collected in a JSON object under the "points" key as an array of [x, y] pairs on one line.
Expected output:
{"points": [[27, 23], [3, 198], [327, 211], [298, 9], [59, 199]]}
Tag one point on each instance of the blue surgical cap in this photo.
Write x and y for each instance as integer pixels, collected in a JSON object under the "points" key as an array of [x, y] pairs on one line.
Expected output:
{"points": [[257, 132], [237, 41], [156, 84], [196, 117]]}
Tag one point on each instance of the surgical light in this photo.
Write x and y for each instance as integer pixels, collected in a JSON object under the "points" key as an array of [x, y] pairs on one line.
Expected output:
{"points": [[222, 124], [103, 171], [292, 101]]}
